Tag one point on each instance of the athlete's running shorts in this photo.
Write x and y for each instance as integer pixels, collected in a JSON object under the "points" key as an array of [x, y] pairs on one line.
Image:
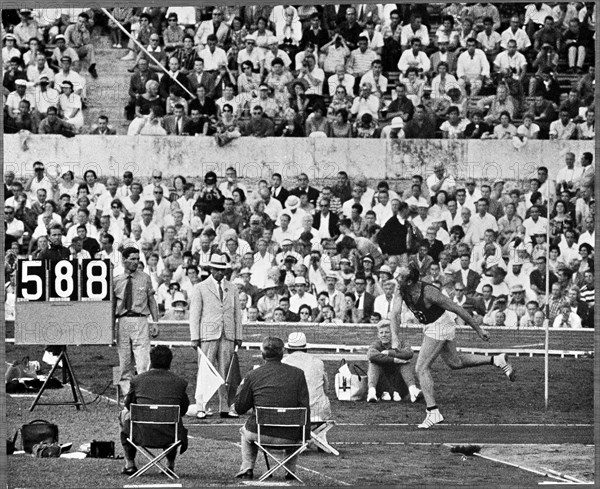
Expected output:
{"points": [[444, 329]]}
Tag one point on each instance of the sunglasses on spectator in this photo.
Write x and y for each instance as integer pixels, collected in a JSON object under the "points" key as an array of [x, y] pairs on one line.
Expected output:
{"points": [[157, 177], [157, 192], [227, 110]]}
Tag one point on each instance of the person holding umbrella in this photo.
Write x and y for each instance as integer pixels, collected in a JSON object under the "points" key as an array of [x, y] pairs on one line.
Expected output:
{"points": [[215, 328]]}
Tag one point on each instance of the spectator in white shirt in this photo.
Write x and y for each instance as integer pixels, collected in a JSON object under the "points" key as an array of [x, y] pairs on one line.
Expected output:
{"points": [[302, 296], [414, 57], [383, 209], [472, 68], [568, 176], [340, 77], [412, 30], [366, 102], [535, 224], [482, 221], [515, 32], [374, 76], [314, 75]]}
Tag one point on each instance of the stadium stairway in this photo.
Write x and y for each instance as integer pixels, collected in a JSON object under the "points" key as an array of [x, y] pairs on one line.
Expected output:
{"points": [[107, 94]]}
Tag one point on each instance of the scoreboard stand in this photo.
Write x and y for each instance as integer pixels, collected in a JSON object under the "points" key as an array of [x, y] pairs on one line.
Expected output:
{"points": [[65, 302], [68, 376]]}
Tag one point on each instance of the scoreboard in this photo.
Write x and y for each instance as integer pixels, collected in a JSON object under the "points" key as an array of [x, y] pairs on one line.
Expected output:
{"points": [[65, 302]]}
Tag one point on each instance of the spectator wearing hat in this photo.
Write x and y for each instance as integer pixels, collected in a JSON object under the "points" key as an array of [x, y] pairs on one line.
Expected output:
{"points": [[389, 368], [26, 29], [314, 371], [69, 105], [78, 37], [178, 309], [67, 74], [269, 302], [215, 327], [9, 51], [62, 49], [301, 296]]}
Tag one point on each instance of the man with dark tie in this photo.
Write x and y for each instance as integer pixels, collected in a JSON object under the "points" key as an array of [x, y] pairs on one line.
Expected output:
{"points": [[365, 302], [277, 190], [215, 328], [175, 123], [134, 301]]}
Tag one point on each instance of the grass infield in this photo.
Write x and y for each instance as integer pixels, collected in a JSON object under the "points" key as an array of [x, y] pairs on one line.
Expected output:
{"points": [[393, 450]]}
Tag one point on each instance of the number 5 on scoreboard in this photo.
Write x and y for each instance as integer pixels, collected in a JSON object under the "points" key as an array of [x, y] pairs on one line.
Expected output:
{"points": [[31, 280]]}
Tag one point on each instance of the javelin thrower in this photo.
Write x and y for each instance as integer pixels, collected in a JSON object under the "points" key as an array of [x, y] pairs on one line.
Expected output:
{"points": [[431, 307]]}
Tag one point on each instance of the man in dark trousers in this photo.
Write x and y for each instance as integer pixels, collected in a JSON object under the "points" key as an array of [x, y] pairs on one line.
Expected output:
{"points": [[274, 384], [156, 386]]}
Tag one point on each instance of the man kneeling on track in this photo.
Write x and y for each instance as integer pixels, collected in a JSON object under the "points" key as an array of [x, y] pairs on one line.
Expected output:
{"points": [[389, 366]]}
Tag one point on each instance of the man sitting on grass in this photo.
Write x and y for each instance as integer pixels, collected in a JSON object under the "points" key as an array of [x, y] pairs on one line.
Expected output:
{"points": [[156, 386], [389, 366]]}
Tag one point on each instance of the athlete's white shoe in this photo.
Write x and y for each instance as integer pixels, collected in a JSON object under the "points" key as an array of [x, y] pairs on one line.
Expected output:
{"points": [[396, 397], [433, 418], [372, 395], [501, 361], [415, 393], [386, 396]]}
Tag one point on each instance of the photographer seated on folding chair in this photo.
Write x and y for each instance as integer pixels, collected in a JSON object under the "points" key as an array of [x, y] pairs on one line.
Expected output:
{"points": [[273, 384], [318, 384], [157, 386]]}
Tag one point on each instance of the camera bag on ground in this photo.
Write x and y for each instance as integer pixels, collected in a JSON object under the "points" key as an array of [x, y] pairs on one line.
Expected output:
{"points": [[38, 431]]}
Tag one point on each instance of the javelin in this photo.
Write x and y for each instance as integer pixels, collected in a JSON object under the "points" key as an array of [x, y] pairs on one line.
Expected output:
{"points": [[118, 24]]}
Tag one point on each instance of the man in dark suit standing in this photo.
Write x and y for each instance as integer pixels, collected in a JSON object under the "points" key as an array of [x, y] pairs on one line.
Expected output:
{"points": [[274, 384], [334, 15], [168, 80], [365, 302], [398, 235], [466, 276], [175, 123], [201, 77], [278, 191], [325, 221], [156, 386], [304, 187]]}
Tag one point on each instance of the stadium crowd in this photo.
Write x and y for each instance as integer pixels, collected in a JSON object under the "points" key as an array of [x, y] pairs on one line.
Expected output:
{"points": [[363, 70], [329, 255]]}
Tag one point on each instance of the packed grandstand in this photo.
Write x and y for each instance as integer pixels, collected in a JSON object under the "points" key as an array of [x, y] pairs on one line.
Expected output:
{"points": [[300, 250], [503, 71]]}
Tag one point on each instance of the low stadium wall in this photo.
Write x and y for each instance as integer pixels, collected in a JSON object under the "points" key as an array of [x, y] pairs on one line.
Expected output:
{"points": [[356, 337], [255, 158]]}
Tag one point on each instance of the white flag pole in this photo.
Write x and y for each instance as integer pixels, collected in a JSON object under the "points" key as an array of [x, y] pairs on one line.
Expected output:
{"points": [[547, 292], [118, 24]]}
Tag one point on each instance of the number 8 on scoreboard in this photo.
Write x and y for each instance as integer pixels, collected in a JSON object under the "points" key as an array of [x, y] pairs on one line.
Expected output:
{"points": [[64, 280]]}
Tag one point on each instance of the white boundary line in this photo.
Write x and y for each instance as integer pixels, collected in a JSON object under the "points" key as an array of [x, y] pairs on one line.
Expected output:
{"points": [[546, 425], [308, 470]]}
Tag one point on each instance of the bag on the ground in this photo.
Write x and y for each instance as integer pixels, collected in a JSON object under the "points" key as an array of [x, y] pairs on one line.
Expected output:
{"points": [[38, 431], [46, 450], [351, 386], [102, 449]]}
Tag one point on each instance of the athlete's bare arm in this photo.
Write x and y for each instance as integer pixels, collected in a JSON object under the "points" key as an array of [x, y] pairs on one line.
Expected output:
{"points": [[395, 321], [432, 295]]}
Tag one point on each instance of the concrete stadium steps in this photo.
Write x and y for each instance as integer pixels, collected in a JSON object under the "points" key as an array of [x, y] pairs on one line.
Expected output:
{"points": [[107, 94]]}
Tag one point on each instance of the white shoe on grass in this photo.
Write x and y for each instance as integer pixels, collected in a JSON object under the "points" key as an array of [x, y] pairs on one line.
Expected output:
{"points": [[432, 418], [386, 396], [501, 361], [396, 397], [372, 395]]}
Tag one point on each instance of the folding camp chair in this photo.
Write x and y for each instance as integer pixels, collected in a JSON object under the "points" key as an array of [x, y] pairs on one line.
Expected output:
{"points": [[154, 426], [318, 430], [281, 417]]}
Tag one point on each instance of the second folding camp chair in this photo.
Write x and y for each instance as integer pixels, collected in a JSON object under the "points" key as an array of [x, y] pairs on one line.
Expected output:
{"points": [[318, 432], [154, 426], [281, 417]]}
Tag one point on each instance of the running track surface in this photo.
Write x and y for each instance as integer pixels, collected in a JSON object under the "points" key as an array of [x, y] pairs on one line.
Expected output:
{"points": [[443, 433]]}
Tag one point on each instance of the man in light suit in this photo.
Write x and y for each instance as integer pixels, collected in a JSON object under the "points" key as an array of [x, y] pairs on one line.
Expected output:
{"points": [[215, 327]]}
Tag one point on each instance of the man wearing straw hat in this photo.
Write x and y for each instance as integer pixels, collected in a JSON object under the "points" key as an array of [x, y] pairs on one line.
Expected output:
{"points": [[215, 327], [314, 371]]}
